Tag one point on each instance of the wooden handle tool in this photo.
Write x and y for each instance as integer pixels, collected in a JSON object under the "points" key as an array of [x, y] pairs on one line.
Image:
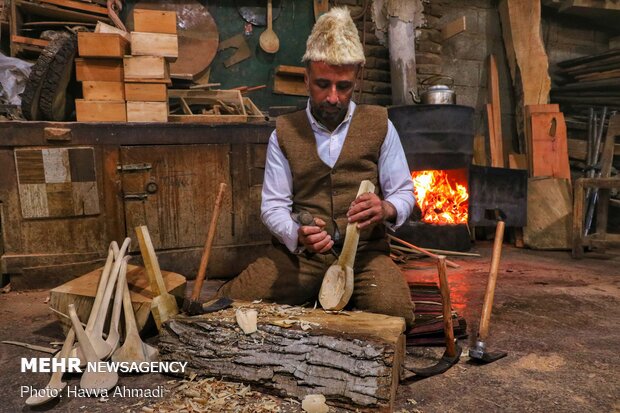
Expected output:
{"points": [[489, 294]]}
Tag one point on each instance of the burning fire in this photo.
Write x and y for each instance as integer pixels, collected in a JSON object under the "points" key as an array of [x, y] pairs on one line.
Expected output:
{"points": [[441, 201]]}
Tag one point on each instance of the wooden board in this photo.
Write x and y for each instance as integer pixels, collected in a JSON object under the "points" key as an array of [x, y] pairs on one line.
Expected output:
{"points": [[100, 111], [289, 85], [58, 13], [299, 71], [549, 146], [549, 214], [527, 118], [96, 90], [147, 111], [102, 45], [497, 141], [517, 161], [145, 67], [577, 149], [353, 358], [29, 40], [154, 44], [105, 70], [456, 26], [81, 292], [150, 92], [155, 21], [106, 28], [78, 5]]}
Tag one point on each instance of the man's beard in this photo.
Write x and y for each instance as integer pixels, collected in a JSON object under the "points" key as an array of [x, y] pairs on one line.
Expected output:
{"points": [[327, 112]]}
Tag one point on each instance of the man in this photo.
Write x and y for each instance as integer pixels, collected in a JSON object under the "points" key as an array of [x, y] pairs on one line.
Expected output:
{"points": [[316, 159]]}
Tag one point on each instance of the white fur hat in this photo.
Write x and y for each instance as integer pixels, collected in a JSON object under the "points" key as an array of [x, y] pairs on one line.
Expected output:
{"points": [[334, 40]]}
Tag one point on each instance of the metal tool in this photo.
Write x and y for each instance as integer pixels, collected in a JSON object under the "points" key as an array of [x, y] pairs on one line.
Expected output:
{"points": [[306, 218], [480, 353], [453, 350]]}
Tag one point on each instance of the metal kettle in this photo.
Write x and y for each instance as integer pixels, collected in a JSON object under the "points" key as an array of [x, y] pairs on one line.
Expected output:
{"points": [[435, 93]]}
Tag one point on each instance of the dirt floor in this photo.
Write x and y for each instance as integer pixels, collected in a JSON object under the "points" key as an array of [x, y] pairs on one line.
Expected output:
{"points": [[557, 319]]}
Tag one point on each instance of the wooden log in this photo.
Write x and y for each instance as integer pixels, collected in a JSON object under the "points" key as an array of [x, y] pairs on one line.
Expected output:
{"points": [[102, 45], [155, 21], [102, 70], [353, 359], [100, 111], [146, 92], [154, 44], [81, 292], [147, 111]]}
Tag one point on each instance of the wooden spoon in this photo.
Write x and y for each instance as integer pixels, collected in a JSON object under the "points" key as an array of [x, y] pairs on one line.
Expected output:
{"points": [[113, 335], [133, 348], [96, 336], [55, 385], [268, 40], [337, 286], [91, 380]]}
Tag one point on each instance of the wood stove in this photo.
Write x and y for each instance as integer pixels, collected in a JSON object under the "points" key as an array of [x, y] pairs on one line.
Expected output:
{"points": [[451, 193]]}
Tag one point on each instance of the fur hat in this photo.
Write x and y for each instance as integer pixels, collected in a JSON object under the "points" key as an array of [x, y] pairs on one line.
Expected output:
{"points": [[334, 40]]}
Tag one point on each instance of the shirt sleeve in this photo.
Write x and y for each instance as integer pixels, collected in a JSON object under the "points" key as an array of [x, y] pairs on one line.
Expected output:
{"points": [[395, 177], [277, 196]]}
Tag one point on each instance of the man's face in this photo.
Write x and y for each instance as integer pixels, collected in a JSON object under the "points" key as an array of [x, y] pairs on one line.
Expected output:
{"points": [[330, 88]]}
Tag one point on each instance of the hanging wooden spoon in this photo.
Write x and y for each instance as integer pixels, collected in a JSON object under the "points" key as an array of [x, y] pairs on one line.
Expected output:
{"points": [[55, 385], [91, 380], [133, 348], [337, 286], [268, 40]]}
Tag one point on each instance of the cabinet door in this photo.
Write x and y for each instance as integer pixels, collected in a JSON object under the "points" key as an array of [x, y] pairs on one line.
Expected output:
{"points": [[172, 190]]}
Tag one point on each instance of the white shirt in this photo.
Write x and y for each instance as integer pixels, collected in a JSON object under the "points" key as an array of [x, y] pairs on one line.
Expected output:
{"points": [[277, 194]]}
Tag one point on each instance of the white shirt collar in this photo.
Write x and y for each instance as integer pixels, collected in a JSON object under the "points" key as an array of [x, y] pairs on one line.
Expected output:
{"points": [[317, 125]]}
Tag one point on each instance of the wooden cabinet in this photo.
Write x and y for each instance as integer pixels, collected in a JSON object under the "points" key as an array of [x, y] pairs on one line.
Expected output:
{"points": [[163, 176]]}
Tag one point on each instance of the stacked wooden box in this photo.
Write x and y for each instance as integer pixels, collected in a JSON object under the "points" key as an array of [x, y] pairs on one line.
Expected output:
{"points": [[100, 69], [146, 72]]}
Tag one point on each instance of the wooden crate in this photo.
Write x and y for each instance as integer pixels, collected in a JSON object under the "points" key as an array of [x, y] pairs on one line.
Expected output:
{"points": [[150, 69], [155, 21], [146, 92], [155, 44], [147, 111], [103, 70], [209, 97], [96, 90], [100, 111], [102, 45]]}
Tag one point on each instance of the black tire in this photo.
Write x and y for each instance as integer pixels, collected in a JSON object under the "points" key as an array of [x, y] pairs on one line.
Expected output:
{"points": [[56, 101], [32, 90]]}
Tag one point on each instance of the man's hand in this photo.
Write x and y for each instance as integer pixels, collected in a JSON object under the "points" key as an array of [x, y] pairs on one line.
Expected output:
{"points": [[369, 209], [314, 238]]}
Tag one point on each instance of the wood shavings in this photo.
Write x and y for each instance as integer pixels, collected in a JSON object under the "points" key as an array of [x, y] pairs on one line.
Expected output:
{"points": [[210, 396], [247, 319], [314, 403]]}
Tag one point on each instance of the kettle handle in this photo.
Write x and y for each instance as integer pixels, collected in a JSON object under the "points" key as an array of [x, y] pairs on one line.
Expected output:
{"points": [[434, 78], [414, 96]]}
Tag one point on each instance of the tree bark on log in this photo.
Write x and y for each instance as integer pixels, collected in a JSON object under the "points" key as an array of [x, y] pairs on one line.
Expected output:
{"points": [[353, 359]]}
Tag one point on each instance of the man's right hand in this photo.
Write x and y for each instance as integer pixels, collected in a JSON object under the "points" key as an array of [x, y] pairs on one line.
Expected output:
{"points": [[314, 237]]}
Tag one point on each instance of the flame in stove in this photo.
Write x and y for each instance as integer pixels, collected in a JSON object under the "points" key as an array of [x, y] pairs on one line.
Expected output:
{"points": [[441, 201]]}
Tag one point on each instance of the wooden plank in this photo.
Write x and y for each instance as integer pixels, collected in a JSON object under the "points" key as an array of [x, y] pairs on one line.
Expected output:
{"points": [[155, 21], [374, 343], [208, 118], [150, 92], [29, 40], [154, 44], [517, 161], [549, 146], [102, 45], [577, 149], [100, 111], [480, 154], [456, 26], [529, 109], [290, 70], [96, 90], [549, 214], [59, 199], [106, 28], [495, 144], [145, 67], [81, 292], [104, 70], [498, 158], [289, 85], [147, 111], [78, 5], [58, 13]]}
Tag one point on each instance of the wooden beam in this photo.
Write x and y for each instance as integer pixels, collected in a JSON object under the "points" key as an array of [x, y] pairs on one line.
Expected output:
{"points": [[497, 145]]}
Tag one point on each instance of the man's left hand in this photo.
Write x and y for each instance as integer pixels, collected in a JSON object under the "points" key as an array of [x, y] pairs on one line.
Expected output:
{"points": [[369, 209]]}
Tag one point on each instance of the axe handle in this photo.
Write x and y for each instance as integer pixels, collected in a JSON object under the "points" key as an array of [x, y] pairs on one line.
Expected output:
{"points": [[489, 294], [446, 306], [204, 260]]}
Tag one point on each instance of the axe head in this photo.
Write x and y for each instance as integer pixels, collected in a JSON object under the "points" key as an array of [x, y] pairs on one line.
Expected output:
{"points": [[480, 355], [495, 214]]}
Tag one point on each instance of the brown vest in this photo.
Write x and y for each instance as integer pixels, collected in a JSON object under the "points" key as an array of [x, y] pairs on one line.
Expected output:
{"points": [[328, 192]]}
